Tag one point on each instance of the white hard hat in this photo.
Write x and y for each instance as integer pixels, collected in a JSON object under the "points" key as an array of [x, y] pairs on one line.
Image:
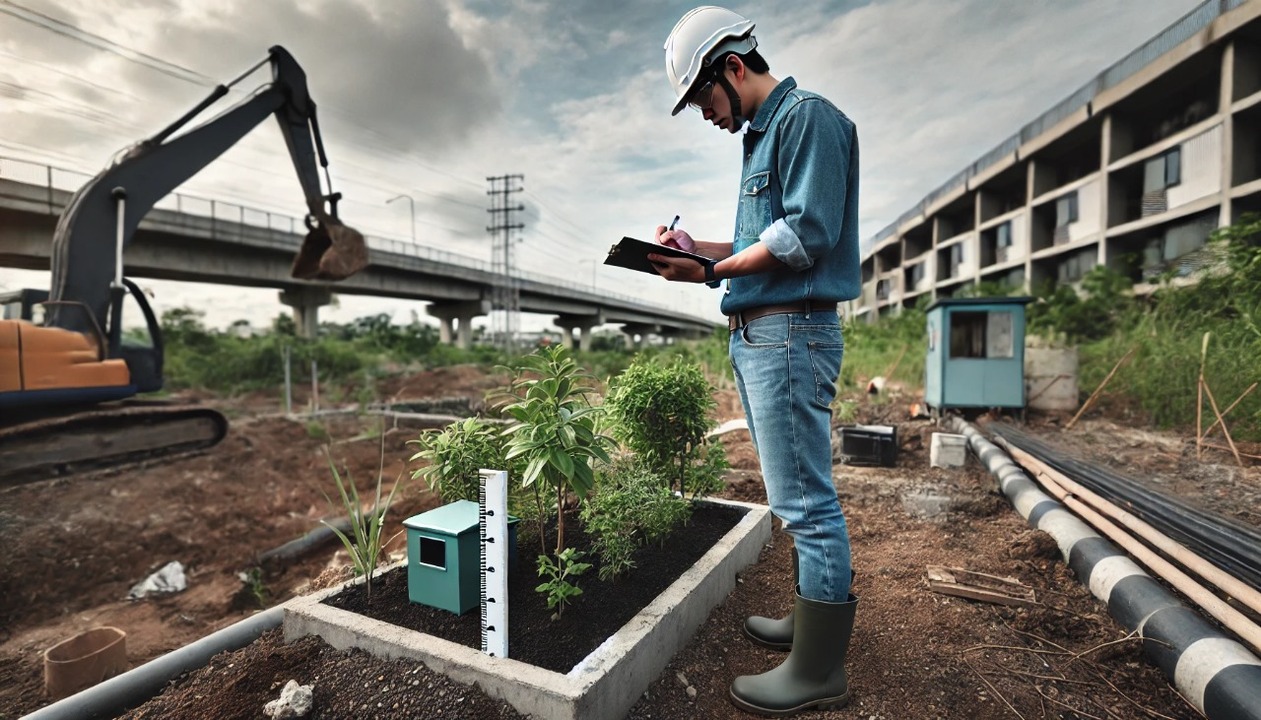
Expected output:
{"points": [[698, 39]]}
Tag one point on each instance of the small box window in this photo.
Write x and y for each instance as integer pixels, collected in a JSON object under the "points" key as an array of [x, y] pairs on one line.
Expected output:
{"points": [[433, 552]]}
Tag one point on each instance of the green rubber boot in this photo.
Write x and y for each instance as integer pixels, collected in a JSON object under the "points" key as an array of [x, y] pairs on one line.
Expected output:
{"points": [[813, 676], [772, 633], [778, 634]]}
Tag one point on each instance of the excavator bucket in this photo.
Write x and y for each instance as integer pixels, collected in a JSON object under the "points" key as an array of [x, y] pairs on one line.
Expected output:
{"points": [[330, 251]]}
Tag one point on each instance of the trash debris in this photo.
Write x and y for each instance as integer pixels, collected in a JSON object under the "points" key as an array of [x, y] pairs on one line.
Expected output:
{"points": [[169, 579], [979, 586], [729, 426], [294, 702]]}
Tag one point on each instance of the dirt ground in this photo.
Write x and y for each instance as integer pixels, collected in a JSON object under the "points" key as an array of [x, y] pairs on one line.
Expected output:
{"points": [[75, 546]]}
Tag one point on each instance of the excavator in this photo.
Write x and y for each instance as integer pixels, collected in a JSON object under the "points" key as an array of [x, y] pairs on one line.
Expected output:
{"points": [[71, 385]]}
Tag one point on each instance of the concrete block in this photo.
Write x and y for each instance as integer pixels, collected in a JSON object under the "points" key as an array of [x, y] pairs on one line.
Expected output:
{"points": [[606, 683], [948, 451]]}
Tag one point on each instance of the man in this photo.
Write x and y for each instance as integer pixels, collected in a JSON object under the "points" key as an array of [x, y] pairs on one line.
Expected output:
{"points": [[793, 258]]}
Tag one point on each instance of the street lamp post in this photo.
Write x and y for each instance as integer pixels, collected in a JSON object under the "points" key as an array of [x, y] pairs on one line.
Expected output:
{"points": [[411, 204], [593, 268]]}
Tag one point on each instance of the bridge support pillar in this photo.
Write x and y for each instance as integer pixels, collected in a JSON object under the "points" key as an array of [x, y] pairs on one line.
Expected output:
{"points": [[448, 313], [641, 330], [306, 301], [570, 325]]}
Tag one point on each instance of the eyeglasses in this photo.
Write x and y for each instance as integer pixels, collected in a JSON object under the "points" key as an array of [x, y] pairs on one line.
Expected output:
{"points": [[703, 98]]}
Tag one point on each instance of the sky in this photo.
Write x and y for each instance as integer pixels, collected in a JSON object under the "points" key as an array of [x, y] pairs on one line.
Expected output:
{"points": [[426, 99]]}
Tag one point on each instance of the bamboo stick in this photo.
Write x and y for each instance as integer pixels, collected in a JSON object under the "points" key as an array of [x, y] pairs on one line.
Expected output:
{"points": [[1072, 495], [1199, 399], [1095, 395], [1226, 412], [1213, 446], [1225, 430], [888, 375]]}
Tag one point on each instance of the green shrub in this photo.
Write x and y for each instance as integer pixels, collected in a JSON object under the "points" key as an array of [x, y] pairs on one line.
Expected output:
{"points": [[662, 413], [631, 507]]}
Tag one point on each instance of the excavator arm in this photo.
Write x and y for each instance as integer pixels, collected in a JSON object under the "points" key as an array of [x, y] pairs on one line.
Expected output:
{"points": [[60, 383], [101, 218]]}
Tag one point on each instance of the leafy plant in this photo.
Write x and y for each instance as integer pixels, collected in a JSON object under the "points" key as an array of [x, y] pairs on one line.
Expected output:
{"points": [[364, 541], [557, 587], [662, 413], [455, 454], [631, 507], [554, 428]]}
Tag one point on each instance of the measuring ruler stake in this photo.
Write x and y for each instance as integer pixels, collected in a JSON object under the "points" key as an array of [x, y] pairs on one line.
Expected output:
{"points": [[492, 521]]}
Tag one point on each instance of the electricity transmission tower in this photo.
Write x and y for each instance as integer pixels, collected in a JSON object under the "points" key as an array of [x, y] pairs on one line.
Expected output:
{"points": [[506, 300]]}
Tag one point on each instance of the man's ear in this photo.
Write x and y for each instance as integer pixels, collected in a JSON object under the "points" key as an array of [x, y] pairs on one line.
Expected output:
{"points": [[736, 66]]}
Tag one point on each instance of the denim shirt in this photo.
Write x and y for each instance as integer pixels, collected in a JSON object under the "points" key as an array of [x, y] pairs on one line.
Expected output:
{"points": [[799, 195]]}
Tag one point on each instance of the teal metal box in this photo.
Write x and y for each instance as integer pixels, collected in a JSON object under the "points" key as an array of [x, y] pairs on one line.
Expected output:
{"points": [[976, 353], [444, 556]]}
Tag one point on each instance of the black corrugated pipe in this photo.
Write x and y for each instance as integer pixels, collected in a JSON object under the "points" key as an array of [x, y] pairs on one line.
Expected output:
{"points": [[1230, 545], [1221, 677], [313, 540], [137, 685]]}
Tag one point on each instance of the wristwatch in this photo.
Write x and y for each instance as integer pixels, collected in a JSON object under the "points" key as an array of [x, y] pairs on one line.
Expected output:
{"points": [[710, 279]]}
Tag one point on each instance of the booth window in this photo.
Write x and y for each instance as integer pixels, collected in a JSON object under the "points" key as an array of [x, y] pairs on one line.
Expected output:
{"points": [[433, 552], [981, 335]]}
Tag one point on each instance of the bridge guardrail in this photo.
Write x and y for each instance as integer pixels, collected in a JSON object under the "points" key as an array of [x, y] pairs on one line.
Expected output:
{"points": [[54, 178]]}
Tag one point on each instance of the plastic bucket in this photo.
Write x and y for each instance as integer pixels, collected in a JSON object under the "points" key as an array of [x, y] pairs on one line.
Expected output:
{"points": [[84, 660]]}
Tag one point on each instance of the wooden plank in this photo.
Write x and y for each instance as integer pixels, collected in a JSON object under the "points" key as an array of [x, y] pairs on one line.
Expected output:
{"points": [[979, 586]]}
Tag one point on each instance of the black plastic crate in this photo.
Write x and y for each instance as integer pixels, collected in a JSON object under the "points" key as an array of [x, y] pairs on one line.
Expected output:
{"points": [[869, 445]]}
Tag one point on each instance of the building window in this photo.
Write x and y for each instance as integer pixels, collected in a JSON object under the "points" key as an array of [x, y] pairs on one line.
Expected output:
{"points": [[915, 275], [956, 258], [1066, 210], [1173, 167], [1004, 235], [981, 335]]}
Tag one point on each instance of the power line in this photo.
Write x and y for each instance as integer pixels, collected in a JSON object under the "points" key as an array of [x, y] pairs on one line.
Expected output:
{"points": [[180, 72], [77, 33]]}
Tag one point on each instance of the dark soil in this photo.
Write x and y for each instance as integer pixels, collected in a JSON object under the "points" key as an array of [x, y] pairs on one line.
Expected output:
{"points": [[344, 684], [534, 635]]}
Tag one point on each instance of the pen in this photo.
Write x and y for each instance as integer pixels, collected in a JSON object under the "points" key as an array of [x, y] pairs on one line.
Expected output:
{"points": [[673, 222]]}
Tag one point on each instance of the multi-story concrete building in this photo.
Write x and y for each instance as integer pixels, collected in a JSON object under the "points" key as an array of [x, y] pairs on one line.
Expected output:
{"points": [[1133, 171]]}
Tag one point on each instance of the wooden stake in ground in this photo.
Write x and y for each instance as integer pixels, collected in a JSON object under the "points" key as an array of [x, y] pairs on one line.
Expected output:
{"points": [[1199, 399], [1226, 412], [1225, 430], [1095, 395]]}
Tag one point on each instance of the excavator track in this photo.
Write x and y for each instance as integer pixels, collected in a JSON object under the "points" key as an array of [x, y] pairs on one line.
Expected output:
{"points": [[105, 437]]}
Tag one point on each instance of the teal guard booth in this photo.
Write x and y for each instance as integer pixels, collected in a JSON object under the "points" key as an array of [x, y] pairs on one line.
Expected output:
{"points": [[976, 353], [444, 556]]}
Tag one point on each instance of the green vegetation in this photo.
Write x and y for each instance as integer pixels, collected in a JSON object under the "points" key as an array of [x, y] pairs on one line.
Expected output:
{"points": [[554, 432], [662, 411], [364, 541], [1165, 329]]}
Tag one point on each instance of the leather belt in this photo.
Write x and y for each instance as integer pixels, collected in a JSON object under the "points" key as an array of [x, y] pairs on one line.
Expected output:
{"points": [[738, 320]]}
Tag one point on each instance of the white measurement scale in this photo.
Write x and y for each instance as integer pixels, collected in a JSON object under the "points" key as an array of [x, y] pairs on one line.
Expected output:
{"points": [[492, 522]]}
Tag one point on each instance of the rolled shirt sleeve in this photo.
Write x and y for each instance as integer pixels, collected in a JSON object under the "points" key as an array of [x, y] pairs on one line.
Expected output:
{"points": [[813, 167]]}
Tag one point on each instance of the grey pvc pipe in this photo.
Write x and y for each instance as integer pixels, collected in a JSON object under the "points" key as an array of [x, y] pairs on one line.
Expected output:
{"points": [[134, 687], [1217, 674]]}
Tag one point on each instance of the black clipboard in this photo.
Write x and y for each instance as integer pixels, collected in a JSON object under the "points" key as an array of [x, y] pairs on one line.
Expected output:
{"points": [[633, 254]]}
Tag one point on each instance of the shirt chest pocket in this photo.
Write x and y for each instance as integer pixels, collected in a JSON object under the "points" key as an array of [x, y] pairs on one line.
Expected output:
{"points": [[755, 205]]}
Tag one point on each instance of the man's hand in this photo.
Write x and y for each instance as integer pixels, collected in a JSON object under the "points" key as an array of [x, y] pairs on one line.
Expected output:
{"points": [[678, 239], [678, 269]]}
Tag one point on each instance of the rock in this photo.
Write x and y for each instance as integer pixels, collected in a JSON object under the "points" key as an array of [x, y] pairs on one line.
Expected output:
{"points": [[681, 678], [294, 702]]}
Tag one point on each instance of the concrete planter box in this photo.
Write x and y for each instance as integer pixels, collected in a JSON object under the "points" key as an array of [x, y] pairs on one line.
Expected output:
{"points": [[606, 683]]}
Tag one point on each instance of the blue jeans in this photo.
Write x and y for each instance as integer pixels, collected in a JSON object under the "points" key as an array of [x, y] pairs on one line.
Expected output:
{"points": [[786, 368]]}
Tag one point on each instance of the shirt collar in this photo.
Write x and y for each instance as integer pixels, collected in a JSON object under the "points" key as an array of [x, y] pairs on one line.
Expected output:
{"points": [[771, 104]]}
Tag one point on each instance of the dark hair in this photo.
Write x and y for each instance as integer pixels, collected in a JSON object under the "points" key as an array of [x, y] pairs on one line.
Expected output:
{"points": [[753, 60]]}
